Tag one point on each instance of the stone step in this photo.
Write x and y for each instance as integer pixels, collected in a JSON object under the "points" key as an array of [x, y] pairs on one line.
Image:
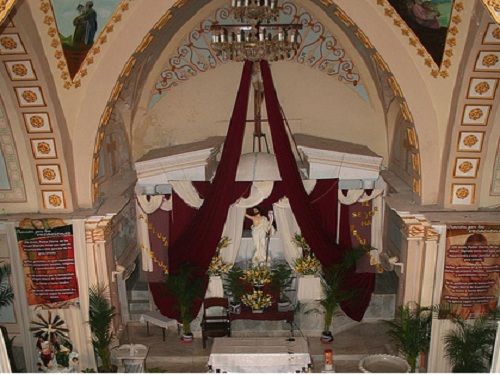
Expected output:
{"points": [[138, 306], [138, 294]]}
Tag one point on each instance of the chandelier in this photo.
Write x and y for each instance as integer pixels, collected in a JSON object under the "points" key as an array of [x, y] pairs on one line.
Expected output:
{"points": [[258, 38]]}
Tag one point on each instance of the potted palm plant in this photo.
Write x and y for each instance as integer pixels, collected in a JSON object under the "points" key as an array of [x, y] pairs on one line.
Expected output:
{"points": [[101, 315], [186, 288], [332, 279], [233, 285], [281, 278], [411, 331], [469, 346]]}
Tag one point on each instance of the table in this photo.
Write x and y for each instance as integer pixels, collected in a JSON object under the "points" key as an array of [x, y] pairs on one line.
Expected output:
{"points": [[259, 354], [270, 313], [156, 318]]}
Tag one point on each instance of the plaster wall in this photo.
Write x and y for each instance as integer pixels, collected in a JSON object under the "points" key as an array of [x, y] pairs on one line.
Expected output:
{"points": [[313, 102]]}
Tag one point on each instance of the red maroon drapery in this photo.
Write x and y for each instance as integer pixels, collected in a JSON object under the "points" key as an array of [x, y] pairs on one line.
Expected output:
{"points": [[313, 229], [196, 245]]}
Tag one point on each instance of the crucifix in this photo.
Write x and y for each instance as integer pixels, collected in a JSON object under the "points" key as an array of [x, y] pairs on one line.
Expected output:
{"points": [[258, 90]]}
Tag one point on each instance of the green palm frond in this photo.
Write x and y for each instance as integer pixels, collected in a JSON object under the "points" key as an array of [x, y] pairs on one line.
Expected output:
{"points": [[101, 315], [469, 346]]}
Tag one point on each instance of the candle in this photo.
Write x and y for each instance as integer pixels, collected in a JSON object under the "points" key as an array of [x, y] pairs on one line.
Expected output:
{"points": [[222, 37], [272, 4], [266, 3], [246, 3], [214, 38], [261, 35], [238, 37], [280, 36], [328, 359], [238, 3], [233, 3]]}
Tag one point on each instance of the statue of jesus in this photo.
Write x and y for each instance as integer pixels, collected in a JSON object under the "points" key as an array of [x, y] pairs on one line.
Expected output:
{"points": [[260, 229]]}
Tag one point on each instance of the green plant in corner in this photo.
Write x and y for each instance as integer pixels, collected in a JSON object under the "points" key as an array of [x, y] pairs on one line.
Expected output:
{"points": [[411, 331], [101, 315], [233, 284], [281, 278], [332, 279], [186, 287], [469, 346]]}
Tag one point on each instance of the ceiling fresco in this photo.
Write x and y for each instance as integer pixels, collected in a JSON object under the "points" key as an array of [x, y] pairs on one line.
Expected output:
{"points": [[429, 20]]}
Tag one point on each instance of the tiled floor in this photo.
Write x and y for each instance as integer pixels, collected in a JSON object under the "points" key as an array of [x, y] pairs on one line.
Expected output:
{"points": [[173, 355]]}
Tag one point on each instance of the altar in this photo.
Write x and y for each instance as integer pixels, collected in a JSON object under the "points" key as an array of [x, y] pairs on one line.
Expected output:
{"points": [[259, 355]]}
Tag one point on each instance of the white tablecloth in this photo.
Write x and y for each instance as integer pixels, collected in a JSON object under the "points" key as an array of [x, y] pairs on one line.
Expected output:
{"points": [[215, 287], [156, 318], [309, 288], [266, 354]]}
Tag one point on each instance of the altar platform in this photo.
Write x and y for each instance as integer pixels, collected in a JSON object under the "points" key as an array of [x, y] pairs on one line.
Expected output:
{"points": [[172, 355]]}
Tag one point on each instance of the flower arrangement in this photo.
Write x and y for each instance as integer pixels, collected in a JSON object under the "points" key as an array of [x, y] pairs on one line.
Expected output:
{"points": [[258, 275], [307, 265], [217, 266], [257, 300], [300, 241]]}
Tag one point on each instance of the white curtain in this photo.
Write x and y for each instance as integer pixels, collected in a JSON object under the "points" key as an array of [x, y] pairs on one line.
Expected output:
{"points": [[188, 193], [287, 227]]}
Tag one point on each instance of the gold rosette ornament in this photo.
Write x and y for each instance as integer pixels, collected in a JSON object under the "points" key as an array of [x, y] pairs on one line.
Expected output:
{"points": [[29, 96], [55, 200], [476, 114], [19, 70], [482, 87], [465, 167], [43, 148], [49, 174], [470, 140], [462, 193], [490, 60], [36, 121], [8, 43]]}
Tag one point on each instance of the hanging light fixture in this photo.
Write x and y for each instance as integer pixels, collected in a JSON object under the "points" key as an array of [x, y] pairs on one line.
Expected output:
{"points": [[258, 38]]}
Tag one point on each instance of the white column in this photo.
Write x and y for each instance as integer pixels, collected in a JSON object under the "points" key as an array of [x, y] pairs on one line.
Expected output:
{"points": [[429, 269], [495, 365], [24, 317]]}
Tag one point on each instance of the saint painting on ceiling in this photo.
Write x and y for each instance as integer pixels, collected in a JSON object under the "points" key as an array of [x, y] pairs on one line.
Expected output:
{"points": [[429, 20], [79, 23]]}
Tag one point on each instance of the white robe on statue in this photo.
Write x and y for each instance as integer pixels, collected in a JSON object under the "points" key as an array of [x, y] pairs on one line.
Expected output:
{"points": [[259, 235]]}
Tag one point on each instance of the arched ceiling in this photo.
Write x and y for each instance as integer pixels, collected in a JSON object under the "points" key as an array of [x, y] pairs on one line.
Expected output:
{"points": [[121, 70]]}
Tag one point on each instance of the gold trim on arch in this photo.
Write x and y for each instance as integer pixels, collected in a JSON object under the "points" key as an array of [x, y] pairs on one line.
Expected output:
{"points": [[5, 8], [451, 41], [102, 38]]}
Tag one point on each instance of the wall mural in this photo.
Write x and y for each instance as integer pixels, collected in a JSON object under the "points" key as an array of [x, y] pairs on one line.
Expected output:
{"points": [[318, 49], [429, 20], [79, 23]]}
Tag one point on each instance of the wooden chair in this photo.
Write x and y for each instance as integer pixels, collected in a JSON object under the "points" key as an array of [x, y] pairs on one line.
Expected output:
{"points": [[215, 321]]}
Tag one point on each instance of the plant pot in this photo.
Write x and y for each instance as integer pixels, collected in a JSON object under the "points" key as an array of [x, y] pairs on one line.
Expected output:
{"points": [[258, 311], [326, 337], [283, 306], [187, 337], [383, 363]]}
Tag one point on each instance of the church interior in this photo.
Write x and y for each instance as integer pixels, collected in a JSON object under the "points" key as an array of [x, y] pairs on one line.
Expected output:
{"points": [[249, 186]]}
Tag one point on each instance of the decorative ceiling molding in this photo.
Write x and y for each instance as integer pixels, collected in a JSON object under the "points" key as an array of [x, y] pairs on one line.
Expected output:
{"points": [[451, 41], [318, 49], [52, 31], [41, 131], [493, 7], [5, 8], [473, 122]]}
